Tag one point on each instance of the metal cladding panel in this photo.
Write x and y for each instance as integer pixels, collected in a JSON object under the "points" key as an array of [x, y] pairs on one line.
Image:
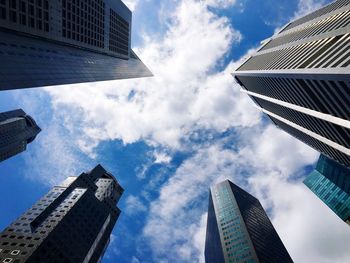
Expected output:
{"points": [[330, 182], [213, 249], [29, 62], [268, 245], [300, 78], [69, 224]]}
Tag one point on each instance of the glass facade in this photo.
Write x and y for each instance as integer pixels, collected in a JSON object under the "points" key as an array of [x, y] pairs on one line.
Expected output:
{"points": [[236, 242], [331, 183], [17, 129], [238, 224], [47, 43]]}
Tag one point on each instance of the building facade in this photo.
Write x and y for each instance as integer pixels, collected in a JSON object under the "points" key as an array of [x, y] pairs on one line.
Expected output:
{"points": [[71, 223], [58, 42], [238, 229], [300, 79], [330, 182], [17, 130]]}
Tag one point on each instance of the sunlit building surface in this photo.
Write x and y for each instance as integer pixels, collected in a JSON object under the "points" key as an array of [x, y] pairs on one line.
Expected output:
{"points": [[300, 79], [238, 229]]}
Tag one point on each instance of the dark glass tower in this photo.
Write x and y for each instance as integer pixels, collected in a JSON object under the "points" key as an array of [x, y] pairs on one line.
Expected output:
{"points": [[238, 229], [331, 183], [17, 129], [59, 42], [300, 78], [72, 223]]}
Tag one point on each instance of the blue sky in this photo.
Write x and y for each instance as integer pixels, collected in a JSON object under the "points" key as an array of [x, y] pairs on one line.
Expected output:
{"points": [[167, 139]]}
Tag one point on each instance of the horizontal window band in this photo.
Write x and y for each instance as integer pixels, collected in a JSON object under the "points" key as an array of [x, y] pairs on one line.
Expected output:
{"points": [[308, 132], [316, 114]]}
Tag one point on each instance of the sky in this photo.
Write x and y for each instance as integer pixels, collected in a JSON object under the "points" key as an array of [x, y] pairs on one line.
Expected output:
{"points": [[168, 138]]}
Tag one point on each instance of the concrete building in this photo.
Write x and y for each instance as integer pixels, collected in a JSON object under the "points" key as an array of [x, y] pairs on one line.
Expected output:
{"points": [[71, 223], [300, 79]]}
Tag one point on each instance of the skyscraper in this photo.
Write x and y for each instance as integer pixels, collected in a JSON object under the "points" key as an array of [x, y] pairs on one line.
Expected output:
{"points": [[238, 229], [300, 79], [17, 129], [59, 42], [71, 223], [330, 181]]}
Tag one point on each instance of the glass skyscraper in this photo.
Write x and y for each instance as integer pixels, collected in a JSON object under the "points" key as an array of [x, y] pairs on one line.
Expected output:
{"points": [[331, 183], [300, 78], [71, 223], [59, 42], [238, 229], [17, 129]]}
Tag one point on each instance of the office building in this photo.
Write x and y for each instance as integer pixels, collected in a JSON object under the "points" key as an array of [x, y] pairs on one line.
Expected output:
{"points": [[58, 42], [300, 79], [71, 223], [238, 229], [17, 129], [330, 182]]}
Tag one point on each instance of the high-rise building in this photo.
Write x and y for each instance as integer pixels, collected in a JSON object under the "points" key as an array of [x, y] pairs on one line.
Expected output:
{"points": [[59, 42], [330, 182], [71, 223], [300, 78], [238, 229], [17, 129]]}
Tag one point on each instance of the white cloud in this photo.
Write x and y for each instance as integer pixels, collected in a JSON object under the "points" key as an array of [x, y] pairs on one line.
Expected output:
{"points": [[131, 4], [187, 94], [220, 3], [134, 205], [307, 6], [164, 108]]}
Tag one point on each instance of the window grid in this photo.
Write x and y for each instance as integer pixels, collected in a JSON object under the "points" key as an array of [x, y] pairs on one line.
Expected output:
{"points": [[83, 21]]}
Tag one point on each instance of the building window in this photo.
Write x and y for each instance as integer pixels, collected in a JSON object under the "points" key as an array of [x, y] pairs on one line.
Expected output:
{"points": [[118, 34]]}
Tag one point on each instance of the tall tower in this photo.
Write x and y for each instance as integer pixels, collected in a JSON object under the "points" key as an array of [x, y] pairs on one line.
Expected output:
{"points": [[57, 42], [300, 78], [71, 223], [238, 229], [17, 129], [330, 182]]}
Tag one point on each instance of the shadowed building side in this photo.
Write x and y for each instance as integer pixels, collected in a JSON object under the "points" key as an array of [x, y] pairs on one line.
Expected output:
{"points": [[45, 43], [72, 223], [17, 129]]}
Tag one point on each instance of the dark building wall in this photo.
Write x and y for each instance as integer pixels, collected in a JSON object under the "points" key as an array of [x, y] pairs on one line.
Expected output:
{"points": [[213, 248], [17, 129], [72, 223], [268, 245], [58, 42]]}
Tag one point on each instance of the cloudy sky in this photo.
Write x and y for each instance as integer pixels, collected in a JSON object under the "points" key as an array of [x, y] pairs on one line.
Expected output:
{"points": [[167, 139]]}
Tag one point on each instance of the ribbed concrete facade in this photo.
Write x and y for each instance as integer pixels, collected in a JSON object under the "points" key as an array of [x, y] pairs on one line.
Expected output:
{"points": [[44, 43], [300, 79], [71, 223]]}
